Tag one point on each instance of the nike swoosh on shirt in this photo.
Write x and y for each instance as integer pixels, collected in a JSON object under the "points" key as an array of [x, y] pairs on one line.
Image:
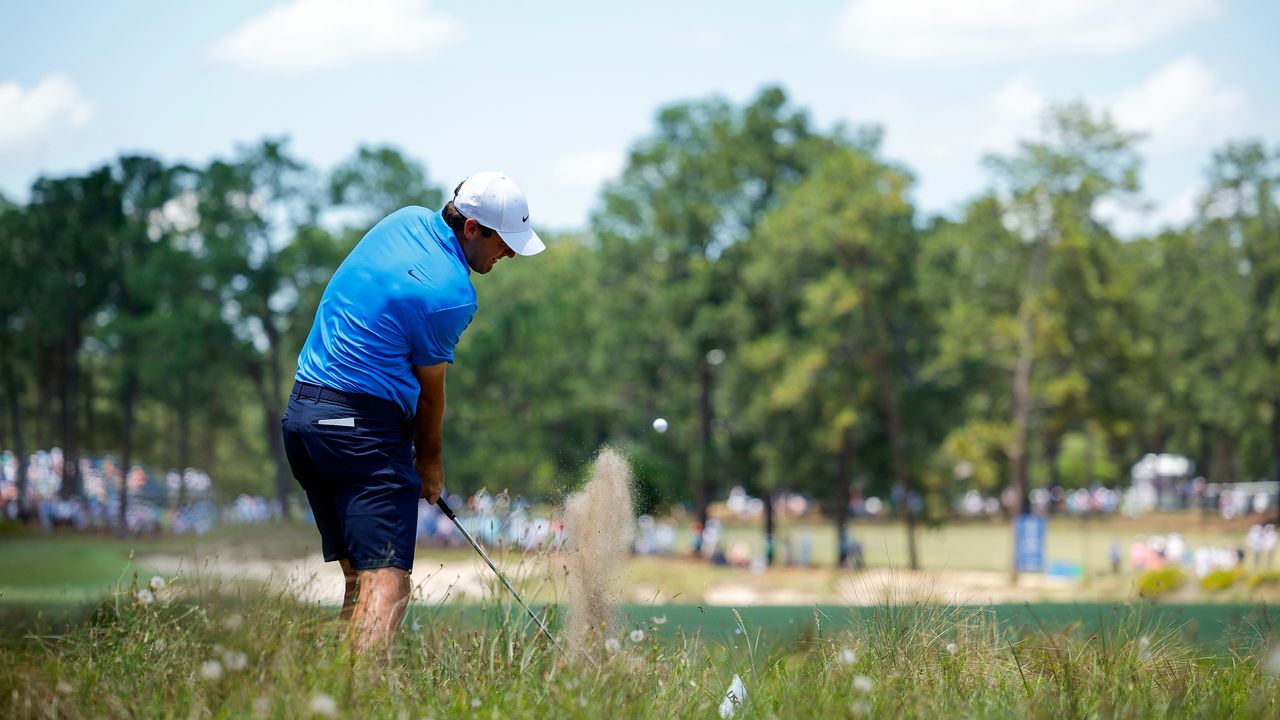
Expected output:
{"points": [[415, 277]]}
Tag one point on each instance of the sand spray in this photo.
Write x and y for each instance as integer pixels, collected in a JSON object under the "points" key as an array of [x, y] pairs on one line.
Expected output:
{"points": [[599, 526]]}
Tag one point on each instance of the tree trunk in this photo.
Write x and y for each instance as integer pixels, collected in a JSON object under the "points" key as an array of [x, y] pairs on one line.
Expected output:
{"points": [[184, 439], [86, 397], [1221, 470], [70, 391], [889, 405], [844, 470], [127, 395], [19, 445], [45, 417], [706, 469], [1275, 450], [209, 449], [1022, 401], [271, 424], [269, 391], [770, 527], [889, 398]]}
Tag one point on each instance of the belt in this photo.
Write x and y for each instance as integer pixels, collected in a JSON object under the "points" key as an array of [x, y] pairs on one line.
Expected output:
{"points": [[303, 390]]}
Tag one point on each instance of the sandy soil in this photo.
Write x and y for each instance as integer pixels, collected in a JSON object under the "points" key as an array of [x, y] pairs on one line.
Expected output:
{"points": [[311, 579]]}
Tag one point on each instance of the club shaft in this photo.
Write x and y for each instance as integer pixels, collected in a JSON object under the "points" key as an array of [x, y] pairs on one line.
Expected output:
{"points": [[444, 507]]}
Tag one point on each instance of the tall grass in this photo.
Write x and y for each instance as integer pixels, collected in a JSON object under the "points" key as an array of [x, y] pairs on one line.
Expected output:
{"points": [[205, 651]]}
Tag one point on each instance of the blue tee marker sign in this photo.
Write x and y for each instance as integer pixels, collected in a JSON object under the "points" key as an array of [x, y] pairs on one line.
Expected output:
{"points": [[1029, 543]]}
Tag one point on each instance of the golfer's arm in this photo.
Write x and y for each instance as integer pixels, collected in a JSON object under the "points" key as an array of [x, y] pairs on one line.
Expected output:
{"points": [[430, 416]]}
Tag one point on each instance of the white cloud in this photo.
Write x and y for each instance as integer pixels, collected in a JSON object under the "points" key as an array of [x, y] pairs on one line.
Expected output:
{"points": [[1129, 221], [31, 119], [1181, 105], [960, 132], [586, 169], [310, 35], [947, 31]]}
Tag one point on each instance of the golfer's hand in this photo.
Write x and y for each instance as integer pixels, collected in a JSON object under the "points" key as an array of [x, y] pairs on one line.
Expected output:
{"points": [[431, 472]]}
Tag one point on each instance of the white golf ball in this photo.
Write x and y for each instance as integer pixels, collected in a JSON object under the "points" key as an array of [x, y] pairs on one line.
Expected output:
{"points": [[660, 424]]}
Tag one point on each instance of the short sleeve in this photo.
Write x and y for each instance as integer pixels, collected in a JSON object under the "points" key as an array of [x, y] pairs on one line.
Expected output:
{"points": [[433, 338]]}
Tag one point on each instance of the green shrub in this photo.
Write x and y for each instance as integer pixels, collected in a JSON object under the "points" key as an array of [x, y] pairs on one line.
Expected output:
{"points": [[1154, 583], [1221, 579]]}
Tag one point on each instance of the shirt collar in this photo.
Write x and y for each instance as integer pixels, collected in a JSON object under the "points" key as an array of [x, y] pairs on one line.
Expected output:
{"points": [[448, 239]]}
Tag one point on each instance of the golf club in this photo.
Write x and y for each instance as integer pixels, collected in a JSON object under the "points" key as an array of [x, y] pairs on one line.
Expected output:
{"points": [[444, 507]]}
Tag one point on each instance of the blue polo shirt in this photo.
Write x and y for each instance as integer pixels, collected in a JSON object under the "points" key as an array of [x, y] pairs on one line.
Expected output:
{"points": [[401, 298]]}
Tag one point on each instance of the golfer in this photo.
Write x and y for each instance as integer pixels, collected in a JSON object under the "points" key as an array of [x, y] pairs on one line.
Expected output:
{"points": [[362, 427]]}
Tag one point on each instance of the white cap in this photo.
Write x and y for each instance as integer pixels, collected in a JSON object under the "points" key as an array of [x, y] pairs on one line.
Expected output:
{"points": [[493, 200]]}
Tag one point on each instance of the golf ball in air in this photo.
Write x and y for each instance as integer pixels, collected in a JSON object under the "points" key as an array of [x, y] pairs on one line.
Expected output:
{"points": [[660, 424]]}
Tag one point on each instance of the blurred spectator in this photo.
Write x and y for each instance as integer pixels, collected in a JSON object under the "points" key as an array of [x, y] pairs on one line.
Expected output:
{"points": [[1269, 544]]}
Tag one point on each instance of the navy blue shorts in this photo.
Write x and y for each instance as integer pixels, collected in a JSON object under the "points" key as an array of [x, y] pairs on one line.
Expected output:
{"points": [[353, 455]]}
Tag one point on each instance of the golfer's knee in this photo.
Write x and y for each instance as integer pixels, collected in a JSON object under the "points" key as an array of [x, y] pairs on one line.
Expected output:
{"points": [[384, 581]]}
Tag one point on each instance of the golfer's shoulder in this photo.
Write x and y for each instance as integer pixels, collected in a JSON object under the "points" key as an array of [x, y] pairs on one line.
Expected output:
{"points": [[413, 216], [413, 211]]}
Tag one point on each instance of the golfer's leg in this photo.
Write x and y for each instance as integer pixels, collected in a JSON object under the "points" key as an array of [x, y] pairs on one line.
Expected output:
{"points": [[384, 593], [348, 590]]}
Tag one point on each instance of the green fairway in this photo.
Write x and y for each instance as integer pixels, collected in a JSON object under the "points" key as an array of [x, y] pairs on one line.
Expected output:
{"points": [[1213, 626], [70, 569], [983, 545]]}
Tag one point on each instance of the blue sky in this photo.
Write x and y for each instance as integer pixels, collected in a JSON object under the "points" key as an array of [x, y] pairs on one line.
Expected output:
{"points": [[554, 93]]}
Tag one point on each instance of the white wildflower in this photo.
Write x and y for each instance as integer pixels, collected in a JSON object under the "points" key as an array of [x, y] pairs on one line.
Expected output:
{"points": [[952, 648], [235, 660], [611, 645], [862, 683], [157, 583], [323, 704], [1144, 648], [232, 622], [145, 596], [637, 636], [1272, 666], [735, 698], [659, 620], [211, 670], [861, 707], [848, 657], [475, 702]]}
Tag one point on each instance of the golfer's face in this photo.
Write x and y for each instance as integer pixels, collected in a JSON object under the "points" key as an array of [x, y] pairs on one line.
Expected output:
{"points": [[485, 252]]}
